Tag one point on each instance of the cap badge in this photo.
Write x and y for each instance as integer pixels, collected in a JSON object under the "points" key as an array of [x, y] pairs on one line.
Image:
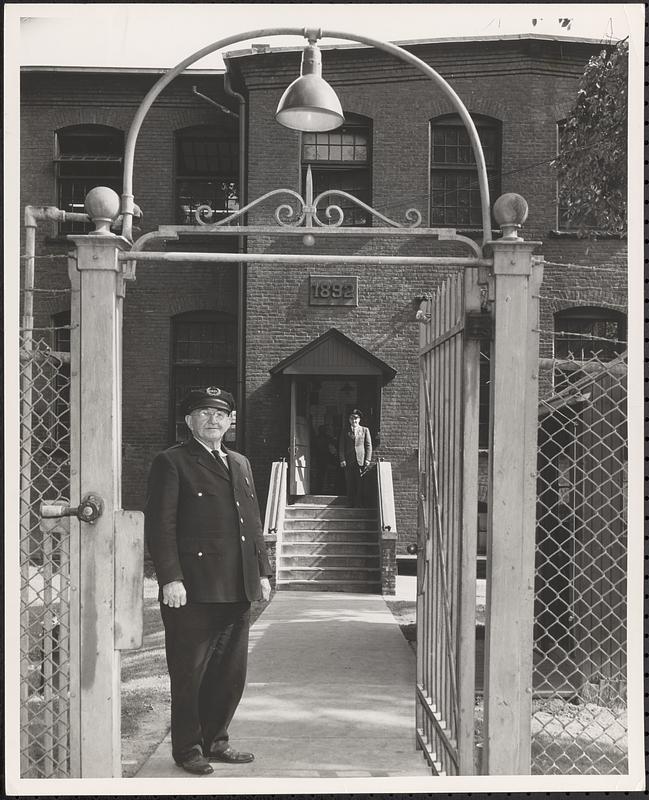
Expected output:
{"points": [[212, 391]]}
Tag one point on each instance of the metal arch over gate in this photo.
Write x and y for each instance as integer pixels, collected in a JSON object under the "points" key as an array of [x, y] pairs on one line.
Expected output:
{"points": [[449, 362], [109, 569]]}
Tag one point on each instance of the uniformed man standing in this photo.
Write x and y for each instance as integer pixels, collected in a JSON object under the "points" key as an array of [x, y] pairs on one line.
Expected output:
{"points": [[204, 534]]}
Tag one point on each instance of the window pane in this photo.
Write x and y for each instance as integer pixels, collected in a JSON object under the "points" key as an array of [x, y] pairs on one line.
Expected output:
{"points": [[349, 144], [206, 156], [588, 323], [344, 144], [455, 199], [204, 354], [455, 194], [90, 141], [92, 158], [355, 182], [221, 196]]}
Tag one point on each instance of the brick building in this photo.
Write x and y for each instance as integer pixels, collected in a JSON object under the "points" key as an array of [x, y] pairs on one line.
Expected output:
{"points": [[258, 330]]}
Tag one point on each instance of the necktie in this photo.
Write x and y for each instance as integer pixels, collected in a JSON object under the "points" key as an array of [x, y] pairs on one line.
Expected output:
{"points": [[220, 458]]}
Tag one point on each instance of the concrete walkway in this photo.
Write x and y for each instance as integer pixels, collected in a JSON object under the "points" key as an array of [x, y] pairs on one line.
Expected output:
{"points": [[330, 694]]}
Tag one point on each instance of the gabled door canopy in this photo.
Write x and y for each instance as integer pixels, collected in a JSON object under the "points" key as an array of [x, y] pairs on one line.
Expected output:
{"points": [[333, 353]]}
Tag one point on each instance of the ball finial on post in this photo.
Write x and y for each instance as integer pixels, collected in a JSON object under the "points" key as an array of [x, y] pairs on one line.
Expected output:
{"points": [[102, 206], [510, 212]]}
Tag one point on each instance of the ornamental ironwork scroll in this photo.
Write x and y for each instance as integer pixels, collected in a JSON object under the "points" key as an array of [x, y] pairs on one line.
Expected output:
{"points": [[305, 212]]}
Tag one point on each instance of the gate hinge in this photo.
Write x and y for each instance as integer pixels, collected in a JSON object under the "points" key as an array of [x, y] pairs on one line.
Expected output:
{"points": [[478, 325]]}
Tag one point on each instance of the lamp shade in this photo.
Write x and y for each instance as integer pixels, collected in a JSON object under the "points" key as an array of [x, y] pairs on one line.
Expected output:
{"points": [[309, 103]]}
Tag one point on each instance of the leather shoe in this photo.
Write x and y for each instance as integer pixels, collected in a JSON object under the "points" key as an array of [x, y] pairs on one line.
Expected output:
{"points": [[195, 763], [230, 756]]}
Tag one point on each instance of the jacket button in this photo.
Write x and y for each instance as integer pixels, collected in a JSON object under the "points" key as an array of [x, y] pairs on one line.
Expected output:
{"points": [[199, 553], [243, 538]]}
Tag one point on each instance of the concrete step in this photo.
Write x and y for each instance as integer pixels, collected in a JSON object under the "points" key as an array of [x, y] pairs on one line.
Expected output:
{"points": [[295, 548], [360, 524], [328, 561], [320, 500], [324, 535], [328, 512], [358, 587], [330, 574]]}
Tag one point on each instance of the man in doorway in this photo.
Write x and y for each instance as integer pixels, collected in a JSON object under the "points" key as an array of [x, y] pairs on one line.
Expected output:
{"points": [[204, 534], [355, 452]]}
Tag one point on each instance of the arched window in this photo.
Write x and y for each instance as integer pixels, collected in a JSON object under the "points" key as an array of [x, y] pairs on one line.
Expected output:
{"points": [[341, 159], [207, 164], [586, 332], [454, 186], [203, 353], [86, 156]]}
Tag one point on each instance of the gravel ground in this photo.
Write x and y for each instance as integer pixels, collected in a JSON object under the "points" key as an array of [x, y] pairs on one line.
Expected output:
{"points": [[567, 738]]}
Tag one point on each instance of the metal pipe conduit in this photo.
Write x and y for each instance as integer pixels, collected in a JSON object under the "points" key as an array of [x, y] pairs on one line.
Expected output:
{"points": [[296, 258]]}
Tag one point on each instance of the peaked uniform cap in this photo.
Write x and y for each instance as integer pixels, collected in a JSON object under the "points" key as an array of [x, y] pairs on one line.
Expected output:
{"points": [[211, 397]]}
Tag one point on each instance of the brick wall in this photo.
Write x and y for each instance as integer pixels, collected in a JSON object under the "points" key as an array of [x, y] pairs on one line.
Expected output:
{"points": [[53, 101], [528, 88], [525, 85]]}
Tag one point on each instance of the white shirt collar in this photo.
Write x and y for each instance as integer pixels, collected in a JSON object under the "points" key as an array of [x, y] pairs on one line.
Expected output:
{"points": [[218, 450]]}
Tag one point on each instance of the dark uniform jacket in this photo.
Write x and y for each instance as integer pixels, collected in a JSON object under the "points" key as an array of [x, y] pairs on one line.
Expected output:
{"points": [[202, 524]]}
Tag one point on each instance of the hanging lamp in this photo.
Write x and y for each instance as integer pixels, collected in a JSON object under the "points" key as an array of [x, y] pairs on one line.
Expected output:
{"points": [[309, 103]]}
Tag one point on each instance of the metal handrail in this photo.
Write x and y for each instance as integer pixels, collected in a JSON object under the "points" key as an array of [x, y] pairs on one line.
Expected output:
{"points": [[387, 517]]}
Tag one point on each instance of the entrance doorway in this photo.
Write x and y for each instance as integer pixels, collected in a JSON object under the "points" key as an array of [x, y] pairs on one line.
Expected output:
{"points": [[328, 377], [320, 405]]}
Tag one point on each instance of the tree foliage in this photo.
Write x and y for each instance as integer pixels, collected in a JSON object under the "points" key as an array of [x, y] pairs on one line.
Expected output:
{"points": [[592, 160]]}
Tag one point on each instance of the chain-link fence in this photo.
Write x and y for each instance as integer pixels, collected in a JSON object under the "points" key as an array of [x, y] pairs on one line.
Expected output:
{"points": [[45, 609], [579, 723]]}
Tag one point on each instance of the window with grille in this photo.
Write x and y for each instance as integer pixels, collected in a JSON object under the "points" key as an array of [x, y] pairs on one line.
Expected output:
{"points": [[455, 190], [585, 334], [86, 156], [341, 159], [207, 163], [588, 332], [203, 353]]}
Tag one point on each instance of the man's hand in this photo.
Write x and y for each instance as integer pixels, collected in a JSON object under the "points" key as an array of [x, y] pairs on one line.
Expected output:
{"points": [[265, 589], [343, 463], [174, 594]]}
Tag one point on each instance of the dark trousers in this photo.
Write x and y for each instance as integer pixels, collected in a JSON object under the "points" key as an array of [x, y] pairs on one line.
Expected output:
{"points": [[353, 482], [207, 657]]}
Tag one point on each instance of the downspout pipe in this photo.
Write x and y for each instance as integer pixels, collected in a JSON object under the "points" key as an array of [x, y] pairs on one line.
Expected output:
{"points": [[241, 266]]}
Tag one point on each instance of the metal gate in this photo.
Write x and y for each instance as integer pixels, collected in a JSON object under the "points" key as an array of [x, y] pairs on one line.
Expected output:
{"points": [[447, 529], [80, 553], [46, 555]]}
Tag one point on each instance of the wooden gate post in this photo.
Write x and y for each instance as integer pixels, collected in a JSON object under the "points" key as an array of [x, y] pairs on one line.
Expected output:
{"points": [[100, 585], [512, 496]]}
